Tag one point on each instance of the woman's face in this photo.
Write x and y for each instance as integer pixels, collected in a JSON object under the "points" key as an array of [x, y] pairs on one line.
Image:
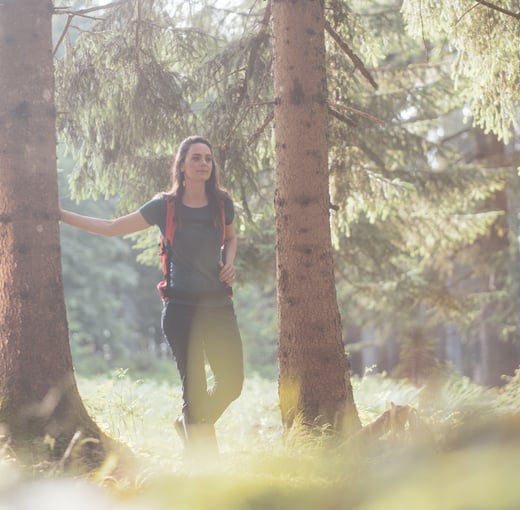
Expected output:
{"points": [[198, 163]]}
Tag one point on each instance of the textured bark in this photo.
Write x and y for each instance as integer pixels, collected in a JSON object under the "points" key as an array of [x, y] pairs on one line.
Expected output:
{"points": [[314, 381], [38, 393]]}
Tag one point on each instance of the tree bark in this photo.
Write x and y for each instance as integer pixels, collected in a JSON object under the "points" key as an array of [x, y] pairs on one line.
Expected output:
{"points": [[38, 393], [314, 379]]}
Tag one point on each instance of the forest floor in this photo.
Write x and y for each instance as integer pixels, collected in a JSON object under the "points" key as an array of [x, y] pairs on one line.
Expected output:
{"points": [[461, 451]]}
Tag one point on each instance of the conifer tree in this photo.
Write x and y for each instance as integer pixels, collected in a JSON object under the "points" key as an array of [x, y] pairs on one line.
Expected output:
{"points": [[405, 191], [41, 411], [314, 381], [483, 38], [412, 189]]}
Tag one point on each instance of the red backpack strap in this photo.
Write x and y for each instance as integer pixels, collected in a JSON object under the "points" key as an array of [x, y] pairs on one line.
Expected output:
{"points": [[166, 246], [170, 220], [223, 219]]}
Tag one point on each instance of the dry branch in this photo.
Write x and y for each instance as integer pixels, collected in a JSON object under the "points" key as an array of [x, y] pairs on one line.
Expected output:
{"points": [[355, 59], [82, 13], [354, 111], [494, 7]]}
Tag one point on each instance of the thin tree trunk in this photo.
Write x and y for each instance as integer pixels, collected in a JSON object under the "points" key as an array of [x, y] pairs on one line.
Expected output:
{"points": [[314, 380], [498, 356]]}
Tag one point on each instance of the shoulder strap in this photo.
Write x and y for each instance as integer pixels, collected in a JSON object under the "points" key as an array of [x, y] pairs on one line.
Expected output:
{"points": [[166, 244], [223, 218], [169, 231], [166, 240]]}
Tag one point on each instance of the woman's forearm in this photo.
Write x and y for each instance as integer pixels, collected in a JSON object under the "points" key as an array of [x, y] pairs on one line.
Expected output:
{"points": [[230, 250], [106, 227], [93, 225]]}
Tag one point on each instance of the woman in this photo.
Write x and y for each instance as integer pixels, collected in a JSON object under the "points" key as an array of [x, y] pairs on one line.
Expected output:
{"points": [[198, 318]]}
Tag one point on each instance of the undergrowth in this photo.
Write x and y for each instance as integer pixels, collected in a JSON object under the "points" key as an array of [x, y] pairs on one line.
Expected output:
{"points": [[465, 456]]}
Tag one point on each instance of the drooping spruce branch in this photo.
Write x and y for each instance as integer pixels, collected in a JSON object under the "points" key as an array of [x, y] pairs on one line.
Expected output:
{"points": [[355, 59], [260, 37], [243, 90]]}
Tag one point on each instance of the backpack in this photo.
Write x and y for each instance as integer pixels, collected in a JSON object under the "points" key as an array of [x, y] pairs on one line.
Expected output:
{"points": [[166, 246]]}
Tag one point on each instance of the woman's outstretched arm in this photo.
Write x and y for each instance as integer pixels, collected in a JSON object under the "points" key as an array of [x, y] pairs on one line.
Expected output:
{"points": [[127, 224]]}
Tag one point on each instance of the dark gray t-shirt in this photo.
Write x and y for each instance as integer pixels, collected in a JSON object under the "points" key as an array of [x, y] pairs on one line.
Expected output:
{"points": [[196, 252]]}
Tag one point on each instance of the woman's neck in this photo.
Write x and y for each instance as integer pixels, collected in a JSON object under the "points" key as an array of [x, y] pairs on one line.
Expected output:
{"points": [[195, 195]]}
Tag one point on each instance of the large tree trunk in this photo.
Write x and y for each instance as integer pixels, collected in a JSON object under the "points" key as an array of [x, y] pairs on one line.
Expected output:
{"points": [[314, 380], [38, 393]]}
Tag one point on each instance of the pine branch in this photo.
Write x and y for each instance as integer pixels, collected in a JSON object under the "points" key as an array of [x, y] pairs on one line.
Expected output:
{"points": [[82, 13], [70, 17], [259, 38], [355, 59], [358, 112], [474, 6], [422, 32], [138, 32], [341, 117], [255, 45], [494, 7], [454, 136], [254, 137], [373, 156]]}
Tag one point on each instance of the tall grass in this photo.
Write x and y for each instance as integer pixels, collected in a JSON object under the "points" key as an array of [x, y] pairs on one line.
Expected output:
{"points": [[141, 414], [470, 461]]}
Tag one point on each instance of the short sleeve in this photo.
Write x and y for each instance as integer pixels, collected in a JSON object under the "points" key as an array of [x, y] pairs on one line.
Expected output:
{"points": [[229, 210], [154, 212]]}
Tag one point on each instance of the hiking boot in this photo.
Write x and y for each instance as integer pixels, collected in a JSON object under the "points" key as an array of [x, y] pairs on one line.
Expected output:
{"points": [[201, 440]]}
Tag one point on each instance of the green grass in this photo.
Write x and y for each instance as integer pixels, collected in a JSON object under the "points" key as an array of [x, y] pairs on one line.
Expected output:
{"points": [[141, 414], [473, 466]]}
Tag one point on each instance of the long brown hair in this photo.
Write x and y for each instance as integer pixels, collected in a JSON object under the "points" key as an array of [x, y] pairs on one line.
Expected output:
{"points": [[214, 191]]}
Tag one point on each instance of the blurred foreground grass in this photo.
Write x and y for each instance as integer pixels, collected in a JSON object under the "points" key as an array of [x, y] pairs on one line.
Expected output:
{"points": [[470, 459]]}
